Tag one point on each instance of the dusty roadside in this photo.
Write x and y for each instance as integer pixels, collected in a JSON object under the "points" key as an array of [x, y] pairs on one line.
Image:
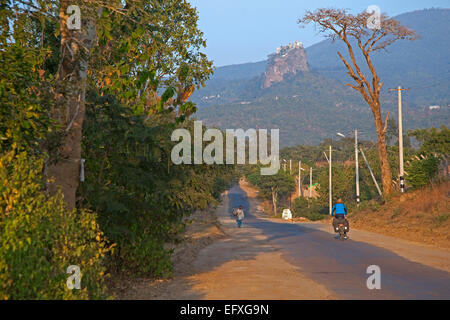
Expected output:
{"points": [[433, 256], [220, 261]]}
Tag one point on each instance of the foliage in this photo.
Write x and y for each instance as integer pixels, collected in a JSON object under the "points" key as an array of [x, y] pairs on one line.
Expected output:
{"points": [[434, 141], [146, 62], [24, 99], [39, 238], [311, 209], [148, 47], [141, 198], [420, 173], [273, 187], [343, 184]]}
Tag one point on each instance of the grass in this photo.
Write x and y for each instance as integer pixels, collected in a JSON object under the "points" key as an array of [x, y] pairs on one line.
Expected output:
{"points": [[421, 215]]}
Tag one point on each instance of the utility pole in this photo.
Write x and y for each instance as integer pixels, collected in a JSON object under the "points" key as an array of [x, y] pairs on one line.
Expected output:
{"points": [[290, 166], [310, 182], [331, 184], [357, 168], [300, 179], [400, 138]]}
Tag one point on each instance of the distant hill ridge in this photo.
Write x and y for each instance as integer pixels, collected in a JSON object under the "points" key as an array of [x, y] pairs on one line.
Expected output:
{"points": [[307, 103]]}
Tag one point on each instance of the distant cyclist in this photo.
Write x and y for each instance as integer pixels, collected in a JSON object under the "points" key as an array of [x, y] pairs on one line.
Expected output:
{"points": [[339, 212]]}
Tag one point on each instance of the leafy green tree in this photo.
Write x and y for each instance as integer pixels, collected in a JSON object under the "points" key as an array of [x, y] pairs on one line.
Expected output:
{"points": [[141, 198], [420, 173], [433, 141], [24, 96], [273, 186], [311, 209]]}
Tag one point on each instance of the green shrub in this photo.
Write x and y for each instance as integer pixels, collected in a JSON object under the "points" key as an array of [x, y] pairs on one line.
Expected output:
{"points": [[39, 238], [141, 252], [314, 212], [141, 198], [421, 172]]}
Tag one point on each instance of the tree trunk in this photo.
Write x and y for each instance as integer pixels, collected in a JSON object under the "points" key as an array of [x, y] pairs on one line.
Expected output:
{"points": [[69, 110], [386, 174], [274, 201]]}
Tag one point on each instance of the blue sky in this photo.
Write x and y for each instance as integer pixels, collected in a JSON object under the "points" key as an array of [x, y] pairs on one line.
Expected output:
{"points": [[239, 31]]}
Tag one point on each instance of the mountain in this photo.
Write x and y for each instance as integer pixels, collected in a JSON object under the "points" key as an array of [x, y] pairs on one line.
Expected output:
{"points": [[422, 65], [311, 103], [286, 60]]}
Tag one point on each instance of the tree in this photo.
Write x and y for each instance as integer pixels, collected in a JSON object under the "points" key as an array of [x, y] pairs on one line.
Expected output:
{"points": [[392, 130], [70, 107], [352, 30], [274, 186], [131, 49], [435, 143]]}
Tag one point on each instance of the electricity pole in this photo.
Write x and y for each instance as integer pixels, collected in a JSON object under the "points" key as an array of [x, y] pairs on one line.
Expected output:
{"points": [[310, 182], [331, 185], [400, 138], [330, 182], [300, 193], [357, 168]]}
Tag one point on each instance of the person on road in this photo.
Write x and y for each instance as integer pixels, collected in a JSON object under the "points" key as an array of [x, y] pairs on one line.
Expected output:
{"points": [[239, 216], [339, 212]]}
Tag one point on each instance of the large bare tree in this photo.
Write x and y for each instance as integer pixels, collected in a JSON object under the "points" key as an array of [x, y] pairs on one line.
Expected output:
{"points": [[69, 110], [353, 31]]}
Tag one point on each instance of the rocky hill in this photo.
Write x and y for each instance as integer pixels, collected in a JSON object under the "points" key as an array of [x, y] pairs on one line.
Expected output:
{"points": [[286, 60], [308, 99]]}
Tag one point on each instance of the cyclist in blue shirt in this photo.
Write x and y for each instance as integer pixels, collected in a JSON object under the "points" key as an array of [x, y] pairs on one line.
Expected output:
{"points": [[339, 212]]}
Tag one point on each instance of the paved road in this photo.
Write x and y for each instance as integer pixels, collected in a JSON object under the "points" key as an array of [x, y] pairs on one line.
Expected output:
{"points": [[342, 265]]}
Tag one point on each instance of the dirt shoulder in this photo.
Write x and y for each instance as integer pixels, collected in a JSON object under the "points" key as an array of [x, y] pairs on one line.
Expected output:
{"points": [[424, 253], [421, 216], [220, 261]]}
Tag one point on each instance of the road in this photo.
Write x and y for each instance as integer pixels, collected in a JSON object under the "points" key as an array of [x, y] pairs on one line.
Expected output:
{"points": [[341, 266]]}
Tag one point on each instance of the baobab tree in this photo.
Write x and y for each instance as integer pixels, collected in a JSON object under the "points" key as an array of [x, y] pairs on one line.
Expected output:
{"points": [[353, 31]]}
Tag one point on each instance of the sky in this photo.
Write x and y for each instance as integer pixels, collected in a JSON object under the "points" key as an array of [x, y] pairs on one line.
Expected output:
{"points": [[240, 31]]}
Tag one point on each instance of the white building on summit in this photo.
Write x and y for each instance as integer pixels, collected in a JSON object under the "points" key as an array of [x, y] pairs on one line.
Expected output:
{"points": [[295, 45]]}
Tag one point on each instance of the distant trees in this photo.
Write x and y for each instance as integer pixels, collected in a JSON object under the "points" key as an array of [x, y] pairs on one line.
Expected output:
{"points": [[274, 186], [435, 147], [433, 140], [352, 30]]}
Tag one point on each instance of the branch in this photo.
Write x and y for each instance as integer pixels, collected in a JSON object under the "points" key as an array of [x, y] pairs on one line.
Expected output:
{"points": [[386, 122]]}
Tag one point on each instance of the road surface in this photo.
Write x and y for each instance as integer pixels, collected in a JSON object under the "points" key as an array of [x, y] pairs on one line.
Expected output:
{"points": [[341, 266]]}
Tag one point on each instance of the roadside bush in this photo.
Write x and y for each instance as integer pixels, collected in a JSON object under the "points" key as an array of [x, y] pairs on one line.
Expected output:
{"points": [[315, 211], [141, 198], [40, 239], [422, 172]]}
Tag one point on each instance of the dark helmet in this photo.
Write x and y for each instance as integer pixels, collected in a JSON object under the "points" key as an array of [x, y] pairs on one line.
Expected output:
{"points": [[240, 207]]}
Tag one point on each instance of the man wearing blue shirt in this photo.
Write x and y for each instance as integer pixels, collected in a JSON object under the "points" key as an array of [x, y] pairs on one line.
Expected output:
{"points": [[339, 212]]}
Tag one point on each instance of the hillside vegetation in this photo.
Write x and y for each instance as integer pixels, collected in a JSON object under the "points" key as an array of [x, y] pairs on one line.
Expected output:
{"points": [[421, 216], [310, 107]]}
